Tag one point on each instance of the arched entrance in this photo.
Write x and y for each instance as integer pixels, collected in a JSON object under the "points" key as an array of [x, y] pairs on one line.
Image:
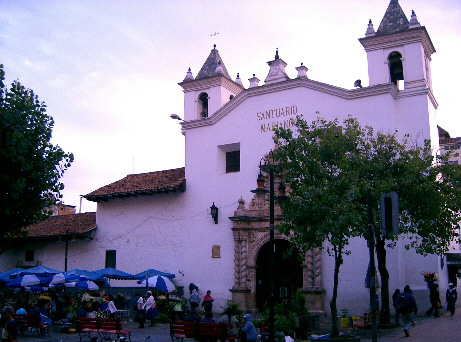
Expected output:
{"points": [[288, 273], [251, 261]]}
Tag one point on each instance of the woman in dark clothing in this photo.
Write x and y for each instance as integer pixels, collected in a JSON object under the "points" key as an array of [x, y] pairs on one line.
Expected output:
{"points": [[434, 298]]}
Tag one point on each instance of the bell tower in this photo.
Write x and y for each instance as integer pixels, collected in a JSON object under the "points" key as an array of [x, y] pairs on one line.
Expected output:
{"points": [[210, 90], [399, 51]]}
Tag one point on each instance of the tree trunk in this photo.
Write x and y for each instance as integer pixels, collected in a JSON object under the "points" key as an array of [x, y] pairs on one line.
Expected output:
{"points": [[333, 308], [385, 317]]}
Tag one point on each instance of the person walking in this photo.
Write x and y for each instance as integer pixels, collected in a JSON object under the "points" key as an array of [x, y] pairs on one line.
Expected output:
{"points": [[10, 330], [207, 302], [394, 303], [434, 298], [406, 304], [451, 298]]}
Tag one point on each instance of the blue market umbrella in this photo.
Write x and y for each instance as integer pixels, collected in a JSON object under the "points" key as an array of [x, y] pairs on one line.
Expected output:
{"points": [[83, 283], [28, 280], [159, 282], [153, 272], [113, 273], [60, 279], [36, 288], [41, 271], [88, 274], [5, 277]]}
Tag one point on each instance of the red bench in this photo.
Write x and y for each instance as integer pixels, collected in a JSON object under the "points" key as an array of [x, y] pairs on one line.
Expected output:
{"points": [[31, 322], [199, 330], [103, 327]]}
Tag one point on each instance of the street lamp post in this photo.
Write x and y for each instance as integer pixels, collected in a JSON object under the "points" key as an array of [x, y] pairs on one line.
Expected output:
{"points": [[270, 169], [271, 255]]}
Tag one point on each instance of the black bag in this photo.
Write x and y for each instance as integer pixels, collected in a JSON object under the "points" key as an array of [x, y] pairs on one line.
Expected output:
{"points": [[401, 305]]}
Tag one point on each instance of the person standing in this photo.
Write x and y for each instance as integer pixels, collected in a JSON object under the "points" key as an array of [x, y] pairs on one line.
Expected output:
{"points": [[194, 299], [249, 328], [140, 313], [394, 303], [207, 302], [451, 298], [150, 306], [111, 307], [406, 304], [434, 298], [10, 330]]}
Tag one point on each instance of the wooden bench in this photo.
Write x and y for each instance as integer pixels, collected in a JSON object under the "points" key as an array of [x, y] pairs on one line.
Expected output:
{"points": [[198, 330], [103, 327], [31, 322]]}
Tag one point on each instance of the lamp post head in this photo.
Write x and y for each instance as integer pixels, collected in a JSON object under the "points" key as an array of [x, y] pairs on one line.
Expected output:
{"points": [[176, 117]]}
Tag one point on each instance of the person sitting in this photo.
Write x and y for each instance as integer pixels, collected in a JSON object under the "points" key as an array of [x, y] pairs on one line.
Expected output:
{"points": [[208, 318], [20, 309], [192, 316]]}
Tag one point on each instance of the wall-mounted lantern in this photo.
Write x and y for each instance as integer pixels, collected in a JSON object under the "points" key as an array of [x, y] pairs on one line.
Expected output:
{"points": [[214, 213]]}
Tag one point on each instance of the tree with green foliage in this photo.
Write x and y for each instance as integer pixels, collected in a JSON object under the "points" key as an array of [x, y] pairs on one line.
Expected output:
{"points": [[331, 167], [31, 167]]}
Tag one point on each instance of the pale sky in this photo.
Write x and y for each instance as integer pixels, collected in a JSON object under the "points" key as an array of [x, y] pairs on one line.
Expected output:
{"points": [[108, 70]]}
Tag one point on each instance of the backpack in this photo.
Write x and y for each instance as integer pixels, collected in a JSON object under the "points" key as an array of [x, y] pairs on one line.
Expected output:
{"points": [[401, 304]]}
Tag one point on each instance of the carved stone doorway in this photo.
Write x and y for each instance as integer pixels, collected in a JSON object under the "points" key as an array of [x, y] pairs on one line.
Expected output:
{"points": [[288, 274], [251, 237]]}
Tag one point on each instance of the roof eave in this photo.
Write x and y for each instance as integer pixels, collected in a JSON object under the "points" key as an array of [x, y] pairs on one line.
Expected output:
{"points": [[117, 195]]}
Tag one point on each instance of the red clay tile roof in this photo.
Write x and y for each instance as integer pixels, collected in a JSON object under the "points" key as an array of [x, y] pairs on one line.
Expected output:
{"points": [[143, 184], [449, 141], [77, 224]]}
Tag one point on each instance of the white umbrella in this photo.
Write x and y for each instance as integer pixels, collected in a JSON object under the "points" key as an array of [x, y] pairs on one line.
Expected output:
{"points": [[160, 283], [61, 278]]}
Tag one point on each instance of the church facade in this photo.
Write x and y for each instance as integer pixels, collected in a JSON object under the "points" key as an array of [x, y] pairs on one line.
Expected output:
{"points": [[163, 219]]}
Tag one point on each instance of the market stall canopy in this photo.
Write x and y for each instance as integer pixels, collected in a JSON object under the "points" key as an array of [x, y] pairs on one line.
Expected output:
{"points": [[453, 259], [153, 272], [6, 276], [28, 280], [89, 274], [113, 273], [40, 271]]}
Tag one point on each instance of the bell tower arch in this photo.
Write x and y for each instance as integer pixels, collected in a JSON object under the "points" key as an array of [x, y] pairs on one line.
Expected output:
{"points": [[399, 51], [210, 90]]}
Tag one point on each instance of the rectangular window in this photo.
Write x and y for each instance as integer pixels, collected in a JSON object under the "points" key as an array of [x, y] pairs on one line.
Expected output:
{"points": [[111, 258], [30, 255], [233, 161]]}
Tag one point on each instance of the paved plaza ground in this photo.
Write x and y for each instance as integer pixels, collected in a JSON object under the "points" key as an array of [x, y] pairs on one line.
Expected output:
{"points": [[441, 329]]}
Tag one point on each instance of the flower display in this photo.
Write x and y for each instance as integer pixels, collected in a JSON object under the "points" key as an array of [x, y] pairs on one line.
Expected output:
{"points": [[430, 276]]}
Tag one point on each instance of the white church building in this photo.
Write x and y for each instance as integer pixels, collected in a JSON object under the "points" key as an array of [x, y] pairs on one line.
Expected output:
{"points": [[163, 219]]}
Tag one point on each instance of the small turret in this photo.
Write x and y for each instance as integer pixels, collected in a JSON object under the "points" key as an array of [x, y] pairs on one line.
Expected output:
{"points": [[370, 29], [189, 76], [238, 80], [302, 71], [277, 70], [254, 81]]}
